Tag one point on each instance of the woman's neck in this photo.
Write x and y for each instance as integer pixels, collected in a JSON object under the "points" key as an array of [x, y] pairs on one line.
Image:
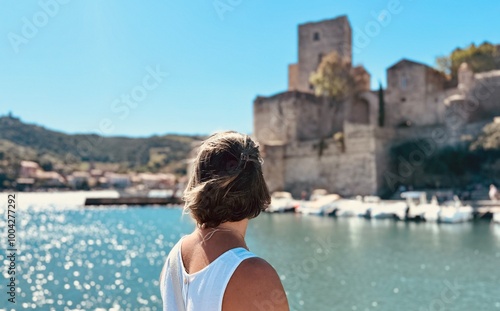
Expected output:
{"points": [[235, 229]]}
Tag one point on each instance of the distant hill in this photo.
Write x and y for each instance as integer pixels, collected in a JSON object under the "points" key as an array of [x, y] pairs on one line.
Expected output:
{"points": [[22, 141]]}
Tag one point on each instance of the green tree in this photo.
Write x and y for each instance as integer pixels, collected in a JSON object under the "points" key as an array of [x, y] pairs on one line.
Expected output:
{"points": [[484, 57], [489, 139], [333, 78]]}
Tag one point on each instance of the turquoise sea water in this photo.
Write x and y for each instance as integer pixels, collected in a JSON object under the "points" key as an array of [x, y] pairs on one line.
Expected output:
{"points": [[73, 258]]}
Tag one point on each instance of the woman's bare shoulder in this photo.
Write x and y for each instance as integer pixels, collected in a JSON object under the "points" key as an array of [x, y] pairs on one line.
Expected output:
{"points": [[255, 286]]}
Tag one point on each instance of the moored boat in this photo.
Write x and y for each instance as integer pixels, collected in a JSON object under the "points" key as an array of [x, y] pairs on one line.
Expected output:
{"points": [[414, 199], [370, 203], [496, 218], [346, 208], [455, 212], [431, 211], [321, 206], [281, 202], [389, 210]]}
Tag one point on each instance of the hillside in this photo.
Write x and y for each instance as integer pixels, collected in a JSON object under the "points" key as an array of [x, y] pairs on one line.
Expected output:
{"points": [[22, 141]]}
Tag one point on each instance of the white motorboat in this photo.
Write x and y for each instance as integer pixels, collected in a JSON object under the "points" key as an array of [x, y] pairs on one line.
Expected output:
{"points": [[369, 204], [493, 193], [496, 218], [386, 210], [321, 206], [318, 193], [346, 208], [415, 199], [455, 212], [454, 215], [401, 211], [431, 211], [281, 202]]}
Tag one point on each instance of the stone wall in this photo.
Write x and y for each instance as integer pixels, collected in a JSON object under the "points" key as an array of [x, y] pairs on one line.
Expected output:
{"points": [[296, 116], [319, 119], [359, 138], [363, 109], [293, 77], [297, 132], [405, 82], [275, 118], [345, 174], [484, 96], [417, 93], [274, 166], [364, 167], [325, 163], [414, 94]]}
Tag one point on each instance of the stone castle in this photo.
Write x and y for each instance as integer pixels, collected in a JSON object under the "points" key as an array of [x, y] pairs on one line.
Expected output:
{"points": [[312, 142]]}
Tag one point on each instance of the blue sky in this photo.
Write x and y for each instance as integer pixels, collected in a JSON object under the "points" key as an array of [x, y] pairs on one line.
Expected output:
{"points": [[72, 69]]}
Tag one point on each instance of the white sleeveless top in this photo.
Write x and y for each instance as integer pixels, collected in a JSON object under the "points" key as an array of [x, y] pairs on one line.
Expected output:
{"points": [[203, 290]]}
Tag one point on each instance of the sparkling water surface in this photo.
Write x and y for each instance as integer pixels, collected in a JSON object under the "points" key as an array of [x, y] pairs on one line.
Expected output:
{"points": [[75, 258]]}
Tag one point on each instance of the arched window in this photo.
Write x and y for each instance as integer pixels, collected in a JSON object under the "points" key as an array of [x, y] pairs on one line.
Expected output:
{"points": [[360, 112]]}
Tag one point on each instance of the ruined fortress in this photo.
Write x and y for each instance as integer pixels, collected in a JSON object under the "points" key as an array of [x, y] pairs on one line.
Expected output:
{"points": [[313, 142]]}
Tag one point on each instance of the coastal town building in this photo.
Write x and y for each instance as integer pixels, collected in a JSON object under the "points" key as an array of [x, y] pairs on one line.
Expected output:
{"points": [[154, 181], [343, 146], [80, 180], [28, 169], [31, 174], [120, 181], [50, 179]]}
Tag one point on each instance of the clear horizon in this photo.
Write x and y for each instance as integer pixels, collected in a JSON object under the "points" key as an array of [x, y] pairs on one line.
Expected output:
{"points": [[137, 70]]}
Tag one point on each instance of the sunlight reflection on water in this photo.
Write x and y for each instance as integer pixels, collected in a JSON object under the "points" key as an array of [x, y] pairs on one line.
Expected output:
{"points": [[75, 258]]}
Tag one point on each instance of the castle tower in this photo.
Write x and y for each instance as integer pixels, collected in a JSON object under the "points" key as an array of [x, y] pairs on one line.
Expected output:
{"points": [[316, 40]]}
